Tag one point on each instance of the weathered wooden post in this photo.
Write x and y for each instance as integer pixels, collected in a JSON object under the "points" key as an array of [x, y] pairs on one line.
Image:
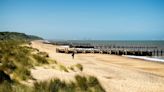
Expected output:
{"points": [[57, 50], [110, 52], [125, 52], [66, 50], [101, 52], [117, 52], [141, 52], [92, 51], [154, 52], [133, 52], [84, 51]]}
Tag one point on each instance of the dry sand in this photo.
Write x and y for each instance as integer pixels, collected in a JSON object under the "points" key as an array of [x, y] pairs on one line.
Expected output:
{"points": [[115, 73]]}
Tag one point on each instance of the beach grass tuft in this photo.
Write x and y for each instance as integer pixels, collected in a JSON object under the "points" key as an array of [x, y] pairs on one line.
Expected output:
{"points": [[79, 66], [82, 84], [63, 68]]}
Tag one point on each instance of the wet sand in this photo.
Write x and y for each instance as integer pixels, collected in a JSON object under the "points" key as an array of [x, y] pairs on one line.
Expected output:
{"points": [[115, 73]]}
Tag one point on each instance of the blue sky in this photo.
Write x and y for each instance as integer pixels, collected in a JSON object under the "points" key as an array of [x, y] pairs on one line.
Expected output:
{"points": [[85, 19]]}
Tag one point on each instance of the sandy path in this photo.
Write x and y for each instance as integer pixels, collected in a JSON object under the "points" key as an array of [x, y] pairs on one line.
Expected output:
{"points": [[115, 73]]}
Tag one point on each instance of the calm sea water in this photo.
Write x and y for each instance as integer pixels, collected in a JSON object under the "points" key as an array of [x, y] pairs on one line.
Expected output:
{"points": [[159, 44]]}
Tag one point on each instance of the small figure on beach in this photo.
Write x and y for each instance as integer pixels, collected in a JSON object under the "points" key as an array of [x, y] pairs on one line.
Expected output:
{"points": [[73, 54]]}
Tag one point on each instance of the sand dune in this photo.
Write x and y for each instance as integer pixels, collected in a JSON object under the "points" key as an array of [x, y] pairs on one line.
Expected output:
{"points": [[115, 73]]}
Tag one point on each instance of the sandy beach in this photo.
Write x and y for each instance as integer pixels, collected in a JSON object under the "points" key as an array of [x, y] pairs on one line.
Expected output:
{"points": [[115, 73]]}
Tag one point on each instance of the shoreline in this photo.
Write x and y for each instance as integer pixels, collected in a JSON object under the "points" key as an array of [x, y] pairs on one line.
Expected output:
{"points": [[152, 59]]}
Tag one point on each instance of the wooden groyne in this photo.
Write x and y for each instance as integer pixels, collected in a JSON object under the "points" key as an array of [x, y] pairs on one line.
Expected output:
{"points": [[115, 51]]}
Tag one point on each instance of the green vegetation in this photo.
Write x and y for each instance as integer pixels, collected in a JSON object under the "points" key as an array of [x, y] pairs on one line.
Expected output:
{"points": [[81, 84], [76, 67], [16, 60], [40, 59], [63, 68], [43, 54], [71, 68], [79, 66], [5, 87], [17, 36], [14, 87]]}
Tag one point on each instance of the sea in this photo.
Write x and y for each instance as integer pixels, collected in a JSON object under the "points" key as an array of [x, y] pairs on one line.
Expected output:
{"points": [[154, 43]]}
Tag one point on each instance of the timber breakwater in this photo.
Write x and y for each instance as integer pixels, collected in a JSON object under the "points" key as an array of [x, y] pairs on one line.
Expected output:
{"points": [[117, 48]]}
